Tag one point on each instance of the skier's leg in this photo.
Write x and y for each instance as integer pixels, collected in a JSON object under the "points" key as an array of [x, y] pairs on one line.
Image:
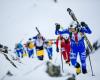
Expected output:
{"points": [[83, 61], [64, 55], [31, 52], [73, 58], [28, 51], [40, 54], [22, 52], [68, 55], [50, 53], [18, 53], [68, 48], [40, 57]]}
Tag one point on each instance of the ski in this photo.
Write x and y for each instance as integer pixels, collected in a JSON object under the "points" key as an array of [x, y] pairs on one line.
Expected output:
{"points": [[38, 30], [71, 13], [10, 60]]}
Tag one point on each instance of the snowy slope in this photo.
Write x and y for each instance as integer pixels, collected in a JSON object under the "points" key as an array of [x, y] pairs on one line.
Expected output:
{"points": [[95, 64], [18, 19], [35, 69], [29, 70]]}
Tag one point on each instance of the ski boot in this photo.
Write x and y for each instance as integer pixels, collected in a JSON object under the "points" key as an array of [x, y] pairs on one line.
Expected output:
{"points": [[84, 71], [78, 69]]}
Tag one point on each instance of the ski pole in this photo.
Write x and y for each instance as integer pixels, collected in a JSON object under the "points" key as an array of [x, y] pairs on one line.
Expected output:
{"points": [[62, 63], [91, 66], [56, 58]]}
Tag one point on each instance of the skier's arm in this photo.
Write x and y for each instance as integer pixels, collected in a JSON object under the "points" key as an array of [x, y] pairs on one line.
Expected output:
{"points": [[85, 28], [57, 32], [35, 37]]}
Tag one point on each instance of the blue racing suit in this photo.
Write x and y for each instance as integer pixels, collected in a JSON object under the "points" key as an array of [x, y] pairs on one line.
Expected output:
{"points": [[20, 50]]}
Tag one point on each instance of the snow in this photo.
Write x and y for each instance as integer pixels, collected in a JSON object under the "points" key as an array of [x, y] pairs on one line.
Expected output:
{"points": [[18, 19], [35, 69]]}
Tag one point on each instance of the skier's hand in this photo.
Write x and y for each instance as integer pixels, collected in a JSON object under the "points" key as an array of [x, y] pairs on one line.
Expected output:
{"points": [[57, 26], [83, 24], [57, 49], [30, 39]]}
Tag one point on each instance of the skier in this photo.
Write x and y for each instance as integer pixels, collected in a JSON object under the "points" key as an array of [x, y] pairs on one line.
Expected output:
{"points": [[48, 46], [39, 45], [30, 48], [65, 46], [19, 49], [76, 34]]}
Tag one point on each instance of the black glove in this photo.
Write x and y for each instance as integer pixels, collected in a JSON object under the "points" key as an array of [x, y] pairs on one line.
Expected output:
{"points": [[57, 26], [83, 24], [30, 39], [57, 49]]}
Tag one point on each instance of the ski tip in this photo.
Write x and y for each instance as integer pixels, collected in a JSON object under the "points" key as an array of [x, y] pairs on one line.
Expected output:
{"points": [[36, 27], [68, 9]]}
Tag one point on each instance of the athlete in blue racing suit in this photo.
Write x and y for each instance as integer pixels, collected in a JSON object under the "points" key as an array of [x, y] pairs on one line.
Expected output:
{"points": [[77, 44]]}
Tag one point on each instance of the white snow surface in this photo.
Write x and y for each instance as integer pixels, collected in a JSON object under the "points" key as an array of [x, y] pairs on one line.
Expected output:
{"points": [[18, 19], [33, 69]]}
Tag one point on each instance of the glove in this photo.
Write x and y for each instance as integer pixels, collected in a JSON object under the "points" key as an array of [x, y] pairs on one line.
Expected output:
{"points": [[83, 24], [57, 49], [57, 26], [30, 39]]}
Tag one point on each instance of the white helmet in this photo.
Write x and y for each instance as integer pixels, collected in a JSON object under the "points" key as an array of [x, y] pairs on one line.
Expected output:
{"points": [[66, 36], [73, 24]]}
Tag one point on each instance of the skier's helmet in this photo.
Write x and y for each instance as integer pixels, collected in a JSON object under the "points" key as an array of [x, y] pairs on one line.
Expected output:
{"points": [[73, 24], [65, 36]]}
